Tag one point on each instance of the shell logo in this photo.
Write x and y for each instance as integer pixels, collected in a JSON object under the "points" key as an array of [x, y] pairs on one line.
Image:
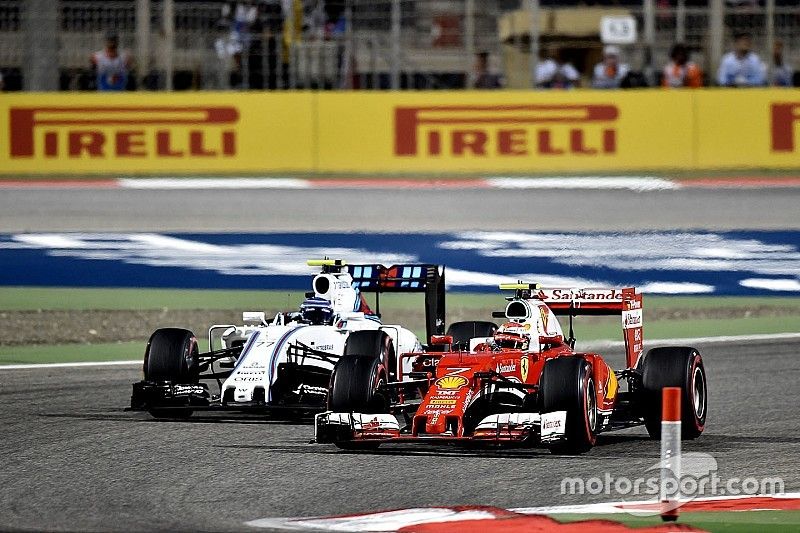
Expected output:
{"points": [[451, 382]]}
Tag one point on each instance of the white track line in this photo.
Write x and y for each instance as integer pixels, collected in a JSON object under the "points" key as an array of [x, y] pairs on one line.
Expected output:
{"points": [[645, 183], [589, 345], [634, 183], [69, 365], [595, 345]]}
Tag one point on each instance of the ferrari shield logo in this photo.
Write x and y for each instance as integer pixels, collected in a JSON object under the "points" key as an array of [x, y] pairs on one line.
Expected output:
{"points": [[523, 368]]}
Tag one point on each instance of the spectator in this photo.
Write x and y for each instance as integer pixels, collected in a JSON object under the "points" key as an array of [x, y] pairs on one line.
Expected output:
{"points": [[680, 72], [608, 74], [741, 67], [111, 66], [482, 77], [782, 72], [555, 73]]}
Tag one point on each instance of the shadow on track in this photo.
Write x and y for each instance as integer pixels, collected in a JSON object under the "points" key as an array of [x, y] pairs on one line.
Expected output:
{"points": [[194, 419]]}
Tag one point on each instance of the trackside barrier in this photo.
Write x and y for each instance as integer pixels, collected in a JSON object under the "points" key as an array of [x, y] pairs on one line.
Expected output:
{"points": [[377, 132], [670, 452]]}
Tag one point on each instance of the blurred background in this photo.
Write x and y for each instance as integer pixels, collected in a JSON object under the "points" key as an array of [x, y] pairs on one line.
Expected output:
{"points": [[384, 44]]}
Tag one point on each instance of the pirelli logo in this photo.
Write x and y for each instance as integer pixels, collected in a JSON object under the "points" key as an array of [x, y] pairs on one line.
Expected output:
{"points": [[785, 119], [123, 132], [506, 130]]}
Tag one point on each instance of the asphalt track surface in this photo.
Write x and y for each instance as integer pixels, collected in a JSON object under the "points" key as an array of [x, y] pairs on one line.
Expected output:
{"points": [[74, 460], [261, 210]]}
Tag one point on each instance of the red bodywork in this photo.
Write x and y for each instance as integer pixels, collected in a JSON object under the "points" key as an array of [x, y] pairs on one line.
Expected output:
{"points": [[451, 382]]}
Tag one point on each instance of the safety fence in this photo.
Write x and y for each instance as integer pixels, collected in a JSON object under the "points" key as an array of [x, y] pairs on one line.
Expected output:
{"points": [[376, 132], [364, 44]]}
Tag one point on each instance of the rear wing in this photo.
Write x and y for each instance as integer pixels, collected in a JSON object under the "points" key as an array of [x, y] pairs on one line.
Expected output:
{"points": [[573, 302], [424, 278]]}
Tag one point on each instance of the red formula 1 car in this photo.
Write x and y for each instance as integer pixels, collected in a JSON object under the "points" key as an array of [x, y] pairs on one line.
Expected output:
{"points": [[521, 383]]}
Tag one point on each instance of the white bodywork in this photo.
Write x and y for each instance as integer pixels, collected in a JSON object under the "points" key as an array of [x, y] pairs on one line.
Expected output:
{"points": [[267, 345]]}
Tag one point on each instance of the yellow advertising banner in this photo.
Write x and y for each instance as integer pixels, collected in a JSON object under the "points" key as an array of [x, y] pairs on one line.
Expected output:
{"points": [[377, 132], [505, 131], [748, 128], [149, 133]]}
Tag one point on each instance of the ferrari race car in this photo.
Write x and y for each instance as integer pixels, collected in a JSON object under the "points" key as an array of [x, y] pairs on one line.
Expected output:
{"points": [[286, 362], [524, 384]]}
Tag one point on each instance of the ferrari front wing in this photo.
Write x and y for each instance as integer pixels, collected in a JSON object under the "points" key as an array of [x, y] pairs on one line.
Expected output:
{"points": [[508, 428]]}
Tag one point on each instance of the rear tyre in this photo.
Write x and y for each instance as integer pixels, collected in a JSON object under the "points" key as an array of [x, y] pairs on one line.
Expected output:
{"points": [[675, 366], [462, 332], [171, 355], [567, 385], [376, 343]]}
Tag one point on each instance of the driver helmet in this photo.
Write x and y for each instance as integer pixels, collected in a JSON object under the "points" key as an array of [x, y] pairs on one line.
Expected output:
{"points": [[513, 335], [317, 311]]}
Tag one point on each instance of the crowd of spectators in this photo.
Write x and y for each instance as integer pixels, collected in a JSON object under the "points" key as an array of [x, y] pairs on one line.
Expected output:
{"points": [[740, 67]]}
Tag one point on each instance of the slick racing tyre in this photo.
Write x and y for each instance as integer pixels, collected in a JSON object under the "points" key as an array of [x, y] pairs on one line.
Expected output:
{"points": [[171, 355], [376, 343], [462, 332], [567, 385], [356, 385], [675, 366]]}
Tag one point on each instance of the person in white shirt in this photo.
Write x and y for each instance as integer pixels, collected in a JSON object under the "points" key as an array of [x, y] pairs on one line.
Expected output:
{"points": [[608, 74], [555, 73], [742, 67], [111, 65]]}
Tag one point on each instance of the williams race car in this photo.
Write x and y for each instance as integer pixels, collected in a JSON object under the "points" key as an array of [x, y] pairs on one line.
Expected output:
{"points": [[524, 384], [286, 362]]}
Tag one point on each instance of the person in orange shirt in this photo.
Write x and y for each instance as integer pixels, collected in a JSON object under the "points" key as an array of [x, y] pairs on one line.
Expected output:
{"points": [[680, 72]]}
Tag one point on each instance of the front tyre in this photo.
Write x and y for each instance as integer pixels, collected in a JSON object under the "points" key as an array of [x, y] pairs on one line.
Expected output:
{"points": [[171, 356], [675, 366], [356, 385], [567, 385]]}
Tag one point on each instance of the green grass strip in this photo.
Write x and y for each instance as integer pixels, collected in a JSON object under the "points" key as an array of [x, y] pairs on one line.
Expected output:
{"points": [[31, 298], [713, 521]]}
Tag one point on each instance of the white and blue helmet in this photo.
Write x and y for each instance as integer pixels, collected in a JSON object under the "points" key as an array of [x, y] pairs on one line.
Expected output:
{"points": [[317, 311]]}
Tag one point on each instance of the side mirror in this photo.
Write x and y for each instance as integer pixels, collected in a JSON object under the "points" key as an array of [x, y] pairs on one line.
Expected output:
{"points": [[551, 339], [441, 339]]}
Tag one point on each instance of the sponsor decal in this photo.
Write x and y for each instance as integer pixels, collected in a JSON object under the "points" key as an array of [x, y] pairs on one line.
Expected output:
{"points": [[784, 119], [187, 390], [323, 347], [168, 132], [581, 294], [451, 382], [545, 315], [442, 401], [553, 425], [524, 364], [632, 319], [507, 131], [506, 366]]}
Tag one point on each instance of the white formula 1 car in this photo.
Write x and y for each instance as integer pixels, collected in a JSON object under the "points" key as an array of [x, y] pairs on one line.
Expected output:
{"points": [[286, 362]]}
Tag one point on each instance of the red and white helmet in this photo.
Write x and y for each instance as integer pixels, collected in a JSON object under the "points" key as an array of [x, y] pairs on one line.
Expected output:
{"points": [[513, 335]]}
